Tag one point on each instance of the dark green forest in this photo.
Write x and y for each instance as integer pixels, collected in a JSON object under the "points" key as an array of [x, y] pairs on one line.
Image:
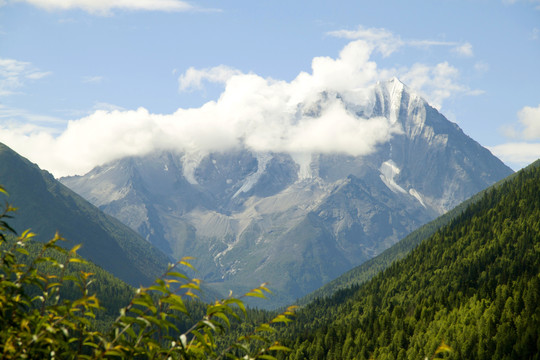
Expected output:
{"points": [[474, 285]]}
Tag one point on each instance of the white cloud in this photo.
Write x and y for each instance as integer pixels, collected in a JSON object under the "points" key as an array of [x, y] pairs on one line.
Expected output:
{"points": [[107, 107], [104, 7], [36, 75], [528, 126], [429, 43], [13, 74], [529, 117], [372, 34], [383, 40], [522, 151], [465, 50], [517, 154], [302, 116], [20, 116], [387, 43], [436, 83], [194, 78]]}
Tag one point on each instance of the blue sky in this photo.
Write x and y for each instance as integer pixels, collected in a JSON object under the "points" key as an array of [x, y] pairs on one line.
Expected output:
{"points": [[87, 81]]}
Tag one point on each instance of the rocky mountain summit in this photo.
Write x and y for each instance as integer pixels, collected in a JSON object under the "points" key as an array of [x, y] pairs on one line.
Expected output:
{"points": [[297, 220]]}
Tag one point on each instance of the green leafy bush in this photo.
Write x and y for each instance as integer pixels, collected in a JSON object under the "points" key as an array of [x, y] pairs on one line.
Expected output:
{"points": [[38, 322]]}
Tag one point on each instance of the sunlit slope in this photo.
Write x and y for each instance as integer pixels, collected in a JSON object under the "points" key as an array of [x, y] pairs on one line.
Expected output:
{"points": [[474, 284]]}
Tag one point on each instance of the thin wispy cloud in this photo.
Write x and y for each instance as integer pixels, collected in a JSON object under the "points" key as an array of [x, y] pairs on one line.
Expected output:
{"points": [[386, 42], [14, 74], [16, 116], [106, 7], [38, 75], [107, 107], [465, 50]]}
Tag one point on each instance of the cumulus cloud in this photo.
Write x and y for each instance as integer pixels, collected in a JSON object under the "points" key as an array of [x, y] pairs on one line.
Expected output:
{"points": [[529, 117], [528, 125], [14, 73], [523, 150], [303, 116], [104, 7], [194, 78], [517, 154], [436, 83]]}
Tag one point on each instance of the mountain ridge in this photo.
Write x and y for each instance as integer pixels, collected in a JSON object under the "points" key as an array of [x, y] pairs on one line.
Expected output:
{"points": [[50, 206], [246, 215], [472, 285], [366, 271]]}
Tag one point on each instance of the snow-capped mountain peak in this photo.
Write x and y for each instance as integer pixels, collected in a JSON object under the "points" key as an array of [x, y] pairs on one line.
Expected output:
{"points": [[299, 219]]}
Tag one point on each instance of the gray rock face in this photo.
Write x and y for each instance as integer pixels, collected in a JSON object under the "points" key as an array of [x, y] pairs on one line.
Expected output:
{"points": [[297, 221]]}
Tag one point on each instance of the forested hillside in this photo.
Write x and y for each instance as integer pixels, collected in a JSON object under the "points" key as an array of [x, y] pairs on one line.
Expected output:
{"points": [[372, 267], [474, 285], [47, 206]]}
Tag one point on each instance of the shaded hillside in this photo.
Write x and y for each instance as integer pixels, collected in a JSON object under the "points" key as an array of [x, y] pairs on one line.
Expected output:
{"points": [[48, 206], [474, 284]]}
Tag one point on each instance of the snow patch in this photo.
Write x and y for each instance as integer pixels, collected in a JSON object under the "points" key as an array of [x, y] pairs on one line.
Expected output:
{"points": [[395, 92], [416, 194], [189, 165], [388, 171], [304, 162], [262, 161]]}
